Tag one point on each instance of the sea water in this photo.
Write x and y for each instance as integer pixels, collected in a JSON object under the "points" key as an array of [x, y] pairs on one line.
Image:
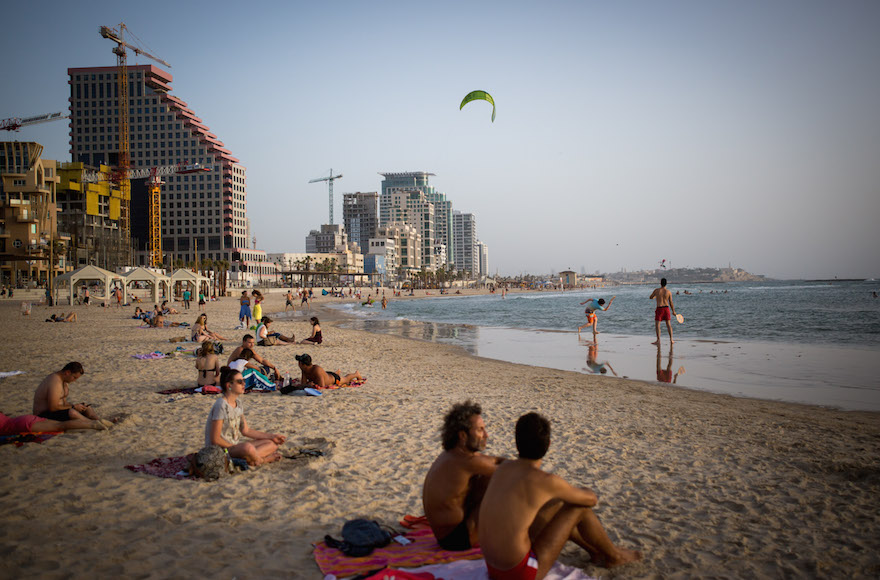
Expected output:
{"points": [[810, 342]]}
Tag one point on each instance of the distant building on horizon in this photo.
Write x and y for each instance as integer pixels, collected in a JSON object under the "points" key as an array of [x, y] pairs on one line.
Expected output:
{"points": [[330, 238], [360, 215], [418, 180], [464, 236], [204, 216]]}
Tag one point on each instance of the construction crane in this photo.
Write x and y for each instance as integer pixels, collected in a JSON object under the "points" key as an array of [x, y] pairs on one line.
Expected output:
{"points": [[124, 161], [154, 186], [13, 123], [329, 181]]}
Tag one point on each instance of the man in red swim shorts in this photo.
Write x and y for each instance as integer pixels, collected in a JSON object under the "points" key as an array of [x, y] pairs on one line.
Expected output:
{"points": [[665, 310], [527, 515]]}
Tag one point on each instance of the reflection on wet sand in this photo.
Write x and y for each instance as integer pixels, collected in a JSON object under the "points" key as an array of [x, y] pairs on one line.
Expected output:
{"points": [[665, 375], [458, 334], [593, 364]]}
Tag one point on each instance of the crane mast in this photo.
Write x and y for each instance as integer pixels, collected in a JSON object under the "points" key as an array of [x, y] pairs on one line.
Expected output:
{"points": [[329, 181], [124, 162]]}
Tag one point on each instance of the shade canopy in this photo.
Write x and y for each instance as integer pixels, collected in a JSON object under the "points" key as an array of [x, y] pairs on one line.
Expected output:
{"points": [[88, 273], [141, 274]]}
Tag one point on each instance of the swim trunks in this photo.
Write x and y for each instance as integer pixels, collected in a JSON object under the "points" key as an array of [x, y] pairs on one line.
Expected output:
{"points": [[591, 318], [14, 425], [62, 415], [458, 539], [664, 376], [336, 377], [662, 313], [525, 570]]}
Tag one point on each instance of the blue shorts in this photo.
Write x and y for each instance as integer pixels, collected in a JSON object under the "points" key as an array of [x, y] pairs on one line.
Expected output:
{"points": [[245, 311]]}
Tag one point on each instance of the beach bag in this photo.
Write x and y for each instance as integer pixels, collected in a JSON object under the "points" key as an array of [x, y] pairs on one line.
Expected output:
{"points": [[359, 538], [269, 341], [218, 348]]}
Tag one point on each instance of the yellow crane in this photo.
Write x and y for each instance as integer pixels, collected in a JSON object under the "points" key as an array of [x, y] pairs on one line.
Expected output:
{"points": [[154, 186], [124, 161]]}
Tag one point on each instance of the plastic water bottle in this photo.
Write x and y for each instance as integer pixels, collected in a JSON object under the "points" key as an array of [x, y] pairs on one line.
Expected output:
{"points": [[286, 382]]}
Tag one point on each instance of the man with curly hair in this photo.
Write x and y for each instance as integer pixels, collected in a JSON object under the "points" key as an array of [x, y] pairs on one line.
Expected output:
{"points": [[456, 481]]}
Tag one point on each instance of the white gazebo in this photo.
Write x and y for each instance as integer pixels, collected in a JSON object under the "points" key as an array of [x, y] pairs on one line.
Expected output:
{"points": [[141, 274], [194, 279], [88, 273]]}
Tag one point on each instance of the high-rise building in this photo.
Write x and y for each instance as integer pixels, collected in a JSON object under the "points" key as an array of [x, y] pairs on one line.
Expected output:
{"points": [[31, 249], [203, 215], [418, 180], [411, 206], [464, 236], [403, 245], [483, 251], [360, 215]]}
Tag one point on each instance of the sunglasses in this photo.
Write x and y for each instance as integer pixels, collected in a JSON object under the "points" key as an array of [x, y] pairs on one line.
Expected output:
{"points": [[238, 381]]}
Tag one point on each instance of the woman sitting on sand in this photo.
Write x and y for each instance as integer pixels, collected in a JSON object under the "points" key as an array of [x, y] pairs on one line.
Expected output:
{"points": [[200, 332], [266, 337], [226, 425], [316, 337], [139, 313], [208, 365], [167, 309]]}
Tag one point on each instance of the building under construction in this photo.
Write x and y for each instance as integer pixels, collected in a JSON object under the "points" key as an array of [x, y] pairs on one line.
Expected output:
{"points": [[90, 215], [202, 216]]}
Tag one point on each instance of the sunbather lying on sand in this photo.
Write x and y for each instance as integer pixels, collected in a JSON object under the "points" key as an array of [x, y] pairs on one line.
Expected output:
{"points": [[315, 375], [35, 424], [226, 425]]}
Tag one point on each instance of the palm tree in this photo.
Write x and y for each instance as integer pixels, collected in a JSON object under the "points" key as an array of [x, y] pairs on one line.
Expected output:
{"points": [[223, 266]]}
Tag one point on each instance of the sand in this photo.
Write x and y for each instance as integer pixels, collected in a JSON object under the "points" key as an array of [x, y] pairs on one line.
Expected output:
{"points": [[703, 484]]}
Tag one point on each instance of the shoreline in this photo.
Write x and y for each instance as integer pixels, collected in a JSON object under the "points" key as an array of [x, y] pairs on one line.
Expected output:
{"points": [[833, 376], [703, 484]]}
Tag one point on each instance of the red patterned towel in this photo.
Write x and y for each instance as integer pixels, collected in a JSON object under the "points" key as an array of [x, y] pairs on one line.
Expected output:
{"points": [[170, 467], [20, 439], [423, 550]]}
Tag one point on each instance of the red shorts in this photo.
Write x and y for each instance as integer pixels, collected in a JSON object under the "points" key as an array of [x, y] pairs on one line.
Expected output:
{"points": [[14, 425], [662, 313], [525, 570]]}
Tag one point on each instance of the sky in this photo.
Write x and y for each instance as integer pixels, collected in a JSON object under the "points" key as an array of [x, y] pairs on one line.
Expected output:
{"points": [[708, 134]]}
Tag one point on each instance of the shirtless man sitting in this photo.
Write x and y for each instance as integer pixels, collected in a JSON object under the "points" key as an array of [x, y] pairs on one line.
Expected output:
{"points": [[50, 398], [249, 342], [527, 515], [457, 479], [313, 375]]}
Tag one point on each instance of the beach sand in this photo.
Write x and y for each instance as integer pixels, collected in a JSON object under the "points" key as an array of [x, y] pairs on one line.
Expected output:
{"points": [[703, 484]]}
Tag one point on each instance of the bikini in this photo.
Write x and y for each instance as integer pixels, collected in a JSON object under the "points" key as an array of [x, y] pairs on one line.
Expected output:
{"points": [[525, 570]]}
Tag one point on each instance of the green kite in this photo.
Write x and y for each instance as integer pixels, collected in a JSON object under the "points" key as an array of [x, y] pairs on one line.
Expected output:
{"points": [[475, 95]]}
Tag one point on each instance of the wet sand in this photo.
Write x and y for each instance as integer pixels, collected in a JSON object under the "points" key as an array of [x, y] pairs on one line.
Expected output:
{"points": [[704, 484]]}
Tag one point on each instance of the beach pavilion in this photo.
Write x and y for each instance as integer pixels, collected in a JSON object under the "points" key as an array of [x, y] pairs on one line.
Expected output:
{"points": [[193, 279], [87, 274], [141, 274]]}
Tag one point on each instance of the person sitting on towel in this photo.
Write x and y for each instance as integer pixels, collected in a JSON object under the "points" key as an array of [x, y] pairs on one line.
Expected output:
{"points": [[527, 515], [226, 425], [315, 376], [208, 365], [457, 479], [264, 332], [248, 342], [50, 398]]}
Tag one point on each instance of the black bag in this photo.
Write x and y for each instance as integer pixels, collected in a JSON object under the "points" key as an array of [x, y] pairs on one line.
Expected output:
{"points": [[359, 538], [218, 348]]}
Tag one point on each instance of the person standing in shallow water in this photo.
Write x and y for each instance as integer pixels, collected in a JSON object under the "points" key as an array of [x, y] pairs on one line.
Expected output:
{"points": [[665, 310]]}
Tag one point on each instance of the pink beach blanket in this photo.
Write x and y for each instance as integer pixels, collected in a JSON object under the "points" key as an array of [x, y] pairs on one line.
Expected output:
{"points": [[423, 550], [150, 356], [168, 467]]}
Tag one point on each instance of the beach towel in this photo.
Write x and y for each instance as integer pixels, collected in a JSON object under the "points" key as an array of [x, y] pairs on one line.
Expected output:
{"points": [[202, 391], [468, 570], [254, 380], [423, 550], [168, 467], [5, 374], [149, 356], [354, 383], [20, 439]]}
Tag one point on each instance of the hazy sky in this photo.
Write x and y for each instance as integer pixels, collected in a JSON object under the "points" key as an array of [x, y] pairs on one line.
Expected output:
{"points": [[705, 133]]}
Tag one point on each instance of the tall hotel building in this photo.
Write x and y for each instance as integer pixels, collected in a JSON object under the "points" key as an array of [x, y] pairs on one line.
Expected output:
{"points": [[204, 214], [442, 242]]}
